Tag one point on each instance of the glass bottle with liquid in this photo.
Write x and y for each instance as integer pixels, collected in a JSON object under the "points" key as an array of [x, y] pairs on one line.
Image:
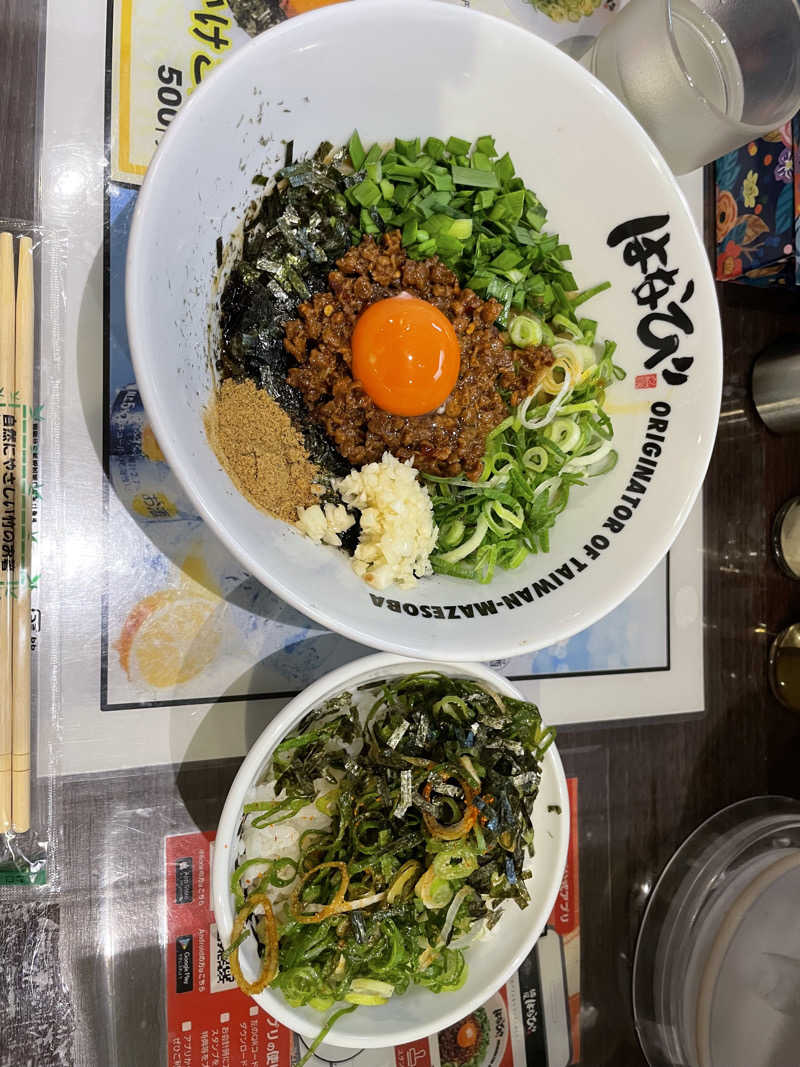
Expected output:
{"points": [[702, 76]]}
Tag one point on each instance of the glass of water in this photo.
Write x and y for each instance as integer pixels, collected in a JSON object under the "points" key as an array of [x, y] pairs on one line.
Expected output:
{"points": [[702, 76]]}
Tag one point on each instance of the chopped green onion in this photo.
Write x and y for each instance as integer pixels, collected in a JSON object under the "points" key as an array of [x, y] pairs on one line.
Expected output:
{"points": [[455, 555], [587, 294], [408, 149], [312, 1048], [366, 193], [479, 179], [504, 169], [327, 802], [434, 148], [410, 230], [371, 986], [243, 936], [457, 147], [274, 811], [460, 228], [533, 459], [561, 322], [373, 155], [434, 891], [456, 861], [356, 151]]}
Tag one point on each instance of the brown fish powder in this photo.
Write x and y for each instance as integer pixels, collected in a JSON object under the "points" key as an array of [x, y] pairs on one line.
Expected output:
{"points": [[258, 446]]}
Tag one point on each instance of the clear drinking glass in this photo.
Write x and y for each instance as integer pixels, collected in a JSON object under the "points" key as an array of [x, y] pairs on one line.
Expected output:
{"points": [[702, 77]]}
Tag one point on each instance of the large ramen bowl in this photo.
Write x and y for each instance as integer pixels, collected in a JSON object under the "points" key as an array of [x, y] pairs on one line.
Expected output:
{"points": [[424, 68]]}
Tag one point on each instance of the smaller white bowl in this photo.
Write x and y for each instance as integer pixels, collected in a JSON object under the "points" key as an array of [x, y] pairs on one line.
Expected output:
{"points": [[418, 1013]]}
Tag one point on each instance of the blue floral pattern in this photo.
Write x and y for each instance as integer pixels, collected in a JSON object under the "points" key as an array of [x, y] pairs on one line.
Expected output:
{"points": [[758, 210]]}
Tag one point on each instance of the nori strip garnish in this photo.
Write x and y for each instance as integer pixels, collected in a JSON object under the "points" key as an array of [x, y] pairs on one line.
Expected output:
{"points": [[297, 232], [255, 16]]}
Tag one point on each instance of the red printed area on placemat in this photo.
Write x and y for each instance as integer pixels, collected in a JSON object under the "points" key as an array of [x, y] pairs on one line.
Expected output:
{"points": [[566, 919], [414, 1054], [502, 1031], [210, 1022]]}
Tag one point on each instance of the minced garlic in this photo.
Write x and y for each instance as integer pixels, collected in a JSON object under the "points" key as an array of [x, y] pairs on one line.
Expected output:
{"points": [[398, 533]]}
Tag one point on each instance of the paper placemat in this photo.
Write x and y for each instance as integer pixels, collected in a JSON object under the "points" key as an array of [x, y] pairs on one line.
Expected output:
{"points": [[141, 584]]}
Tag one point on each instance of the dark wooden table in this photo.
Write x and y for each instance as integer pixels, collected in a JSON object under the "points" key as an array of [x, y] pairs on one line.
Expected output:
{"points": [[661, 778]]}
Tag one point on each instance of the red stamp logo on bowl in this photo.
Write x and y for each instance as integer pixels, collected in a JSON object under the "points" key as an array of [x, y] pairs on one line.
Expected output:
{"points": [[646, 381]]}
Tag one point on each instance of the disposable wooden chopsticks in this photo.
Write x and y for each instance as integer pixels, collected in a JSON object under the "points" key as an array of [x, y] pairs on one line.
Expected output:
{"points": [[7, 479], [21, 662]]}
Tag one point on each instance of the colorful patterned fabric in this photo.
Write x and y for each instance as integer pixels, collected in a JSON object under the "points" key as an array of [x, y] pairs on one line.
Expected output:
{"points": [[758, 210]]}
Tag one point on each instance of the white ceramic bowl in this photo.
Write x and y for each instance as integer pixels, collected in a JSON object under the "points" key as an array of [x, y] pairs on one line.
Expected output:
{"points": [[420, 68], [492, 960]]}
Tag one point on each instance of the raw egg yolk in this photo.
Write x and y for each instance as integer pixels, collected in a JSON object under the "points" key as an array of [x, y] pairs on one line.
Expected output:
{"points": [[406, 355], [467, 1034]]}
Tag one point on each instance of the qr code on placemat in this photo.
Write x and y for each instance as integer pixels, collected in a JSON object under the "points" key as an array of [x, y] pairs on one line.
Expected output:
{"points": [[222, 978]]}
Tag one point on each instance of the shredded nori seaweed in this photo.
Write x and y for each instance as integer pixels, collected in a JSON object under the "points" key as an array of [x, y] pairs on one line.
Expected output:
{"points": [[302, 225], [423, 871], [255, 16]]}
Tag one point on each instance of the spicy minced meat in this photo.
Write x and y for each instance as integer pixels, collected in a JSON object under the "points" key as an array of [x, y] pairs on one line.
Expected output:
{"points": [[448, 442]]}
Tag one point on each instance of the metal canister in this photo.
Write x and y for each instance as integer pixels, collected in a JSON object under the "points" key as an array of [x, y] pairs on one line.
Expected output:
{"points": [[776, 386]]}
